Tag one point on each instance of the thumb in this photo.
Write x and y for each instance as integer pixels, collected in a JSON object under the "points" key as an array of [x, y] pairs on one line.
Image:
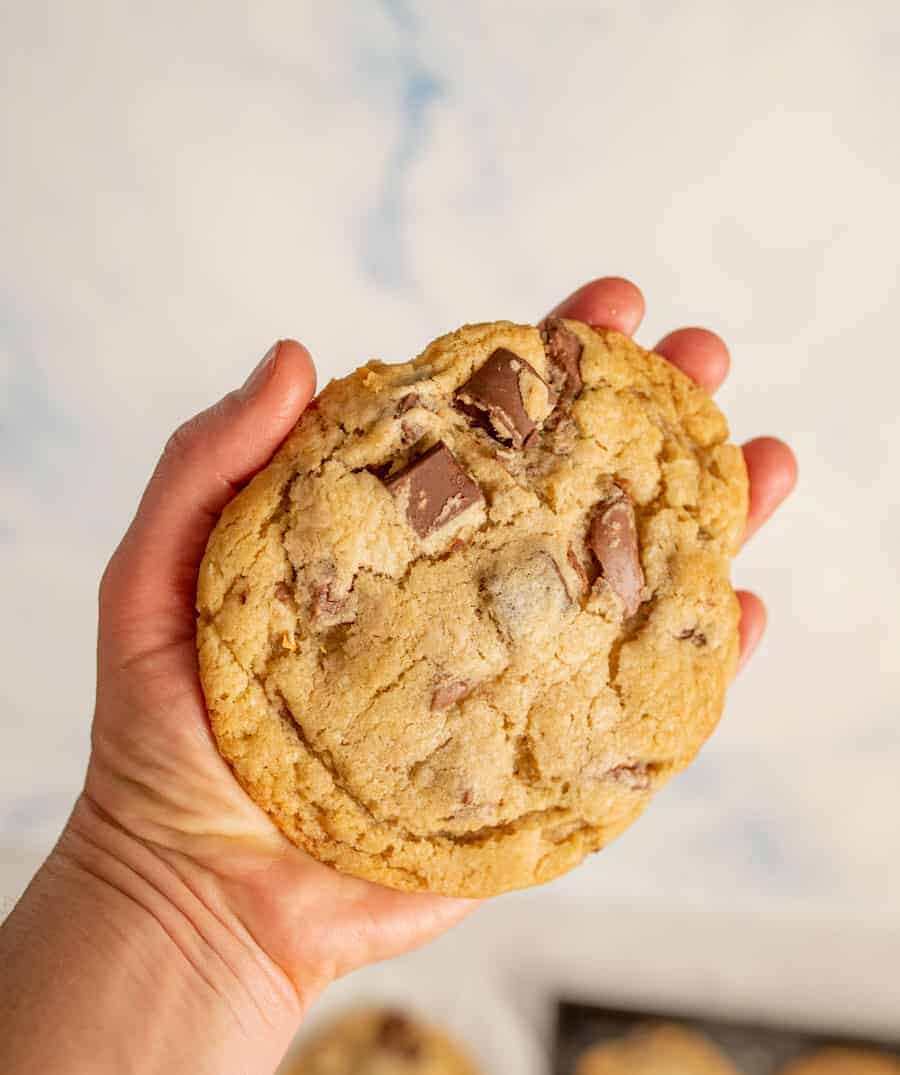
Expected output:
{"points": [[147, 593]]}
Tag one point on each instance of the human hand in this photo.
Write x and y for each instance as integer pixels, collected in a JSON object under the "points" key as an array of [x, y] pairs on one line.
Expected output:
{"points": [[157, 791]]}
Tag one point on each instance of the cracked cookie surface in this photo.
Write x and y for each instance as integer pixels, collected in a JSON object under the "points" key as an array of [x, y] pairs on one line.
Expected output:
{"points": [[379, 1042], [477, 609]]}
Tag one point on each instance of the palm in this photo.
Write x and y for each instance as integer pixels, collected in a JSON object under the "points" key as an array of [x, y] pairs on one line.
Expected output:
{"points": [[160, 776], [155, 768]]}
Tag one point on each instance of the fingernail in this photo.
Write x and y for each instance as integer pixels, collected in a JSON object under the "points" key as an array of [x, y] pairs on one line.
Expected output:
{"points": [[261, 374]]}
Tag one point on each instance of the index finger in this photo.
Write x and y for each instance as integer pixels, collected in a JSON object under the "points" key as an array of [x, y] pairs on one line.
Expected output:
{"points": [[609, 302]]}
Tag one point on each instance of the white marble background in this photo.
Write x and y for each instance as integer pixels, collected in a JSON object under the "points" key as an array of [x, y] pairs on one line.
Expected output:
{"points": [[182, 183]]}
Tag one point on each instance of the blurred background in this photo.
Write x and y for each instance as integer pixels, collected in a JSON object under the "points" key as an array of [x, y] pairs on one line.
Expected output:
{"points": [[183, 183]]}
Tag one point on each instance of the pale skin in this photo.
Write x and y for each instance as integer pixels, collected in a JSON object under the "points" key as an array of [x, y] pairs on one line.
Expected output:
{"points": [[173, 928]]}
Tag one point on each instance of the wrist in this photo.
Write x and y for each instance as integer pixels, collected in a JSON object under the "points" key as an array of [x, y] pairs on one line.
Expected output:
{"points": [[184, 904], [156, 959]]}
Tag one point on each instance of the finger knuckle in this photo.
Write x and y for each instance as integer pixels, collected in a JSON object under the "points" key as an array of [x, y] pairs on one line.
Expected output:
{"points": [[106, 589], [181, 440]]}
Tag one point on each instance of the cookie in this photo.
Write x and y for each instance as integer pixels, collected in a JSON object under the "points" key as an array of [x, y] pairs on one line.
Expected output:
{"points": [[666, 1049], [839, 1060], [477, 609], [380, 1042]]}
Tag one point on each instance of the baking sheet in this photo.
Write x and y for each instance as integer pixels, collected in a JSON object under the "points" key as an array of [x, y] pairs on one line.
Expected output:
{"points": [[754, 1048]]}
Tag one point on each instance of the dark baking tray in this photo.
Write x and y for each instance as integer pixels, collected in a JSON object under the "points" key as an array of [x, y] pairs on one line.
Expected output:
{"points": [[754, 1047]]}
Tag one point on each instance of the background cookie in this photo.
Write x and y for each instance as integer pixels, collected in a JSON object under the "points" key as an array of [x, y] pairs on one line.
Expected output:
{"points": [[478, 608], [838, 1060], [380, 1042], [662, 1050]]}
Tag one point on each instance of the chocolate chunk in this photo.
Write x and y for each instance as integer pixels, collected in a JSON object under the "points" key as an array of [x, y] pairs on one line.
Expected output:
{"points": [[613, 540], [448, 694], [409, 401], [324, 604], [283, 592], [329, 603], [409, 432], [636, 777], [433, 489], [587, 576], [696, 638], [563, 350], [496, 394], [527, 594], [398, 1035], [561, 434], [380, 470]]}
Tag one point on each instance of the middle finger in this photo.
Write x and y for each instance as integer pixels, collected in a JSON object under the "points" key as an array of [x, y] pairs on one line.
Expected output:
{"points": [[699, 353]]}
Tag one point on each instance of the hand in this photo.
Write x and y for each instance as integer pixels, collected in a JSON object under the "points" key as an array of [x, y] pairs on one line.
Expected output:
{"points": [[155, 779]]}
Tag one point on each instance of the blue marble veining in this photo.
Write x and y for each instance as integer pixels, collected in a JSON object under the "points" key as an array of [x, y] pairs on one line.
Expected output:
{"points": [[386, 232], [401, 12], [33, 426], [29, 815]]}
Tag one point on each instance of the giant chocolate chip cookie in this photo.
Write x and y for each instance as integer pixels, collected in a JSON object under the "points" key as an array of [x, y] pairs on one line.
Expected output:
{"points": [[477, 609]]}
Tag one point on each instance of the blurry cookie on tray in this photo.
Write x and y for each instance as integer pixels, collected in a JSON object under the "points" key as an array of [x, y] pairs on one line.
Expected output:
{"points": [[380, 1041], [664, 1049], [839, 1060]]}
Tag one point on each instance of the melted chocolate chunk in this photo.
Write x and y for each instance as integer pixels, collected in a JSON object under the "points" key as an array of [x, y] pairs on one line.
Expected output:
{"points": [[409, 401], [563, 350], [635, 776], [398, 1035], [613, 540], [409, 432], [494, 397], [448, 694], [585, 576], [695, 637], [526, 594], [433, 489], [324, 605]]}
